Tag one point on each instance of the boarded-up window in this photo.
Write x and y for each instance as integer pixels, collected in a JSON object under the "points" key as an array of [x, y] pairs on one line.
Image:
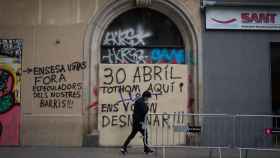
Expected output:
{"points": [[142, 36]]}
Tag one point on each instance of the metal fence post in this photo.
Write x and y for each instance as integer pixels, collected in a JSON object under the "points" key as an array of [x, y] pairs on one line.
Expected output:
{"points": [[210, 153], [234, 132], [276, 126], [220, 153], [163, 152]]}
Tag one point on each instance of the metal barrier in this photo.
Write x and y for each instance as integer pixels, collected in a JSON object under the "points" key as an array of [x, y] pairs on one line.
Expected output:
{"points": [[213, 131], [257, 132], [186, 130]]}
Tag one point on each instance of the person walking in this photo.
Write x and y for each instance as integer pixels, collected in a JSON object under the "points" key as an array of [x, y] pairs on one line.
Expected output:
{"points": [[138, 125]]}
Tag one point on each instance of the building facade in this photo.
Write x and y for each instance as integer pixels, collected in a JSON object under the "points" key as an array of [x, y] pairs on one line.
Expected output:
{"points": [[71, 69]]}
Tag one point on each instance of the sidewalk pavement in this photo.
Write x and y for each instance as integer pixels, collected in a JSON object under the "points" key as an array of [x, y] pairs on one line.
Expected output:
{"points": [[93, 152]]}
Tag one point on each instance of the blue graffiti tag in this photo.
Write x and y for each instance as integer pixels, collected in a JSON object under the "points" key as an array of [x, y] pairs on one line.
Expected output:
{"points": [[170, 56]]}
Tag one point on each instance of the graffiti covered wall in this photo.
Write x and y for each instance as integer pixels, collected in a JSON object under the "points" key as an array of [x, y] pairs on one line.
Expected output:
{"points": [[142, 40], [55, 89], [138, 54], [10, 77], [56, 106], [130, 46], [121, 84]]}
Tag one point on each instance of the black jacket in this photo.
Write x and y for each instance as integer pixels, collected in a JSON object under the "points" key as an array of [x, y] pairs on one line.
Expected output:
{"points": [[140, 110]]}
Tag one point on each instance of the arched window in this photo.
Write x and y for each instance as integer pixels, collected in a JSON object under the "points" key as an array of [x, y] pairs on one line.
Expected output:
{"points": [[142, 36]]}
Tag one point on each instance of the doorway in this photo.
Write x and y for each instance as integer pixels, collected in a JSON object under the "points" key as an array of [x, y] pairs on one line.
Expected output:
{"points": [[275, 85]]}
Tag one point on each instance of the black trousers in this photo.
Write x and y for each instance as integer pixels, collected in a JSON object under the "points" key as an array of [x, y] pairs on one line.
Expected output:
{"points": [[137, 127]]}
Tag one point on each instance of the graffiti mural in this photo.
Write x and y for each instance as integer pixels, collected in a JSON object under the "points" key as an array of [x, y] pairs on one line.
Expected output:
{"points": [[1, 129], [120, 85], [127, 41], [128, 37], [94, 103], [11, 48], [174, 56], [10, 78], [121, 50], [9, 104]]}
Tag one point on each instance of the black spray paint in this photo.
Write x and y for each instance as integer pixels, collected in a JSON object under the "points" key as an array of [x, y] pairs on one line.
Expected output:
{"points": [[52, 88]]}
